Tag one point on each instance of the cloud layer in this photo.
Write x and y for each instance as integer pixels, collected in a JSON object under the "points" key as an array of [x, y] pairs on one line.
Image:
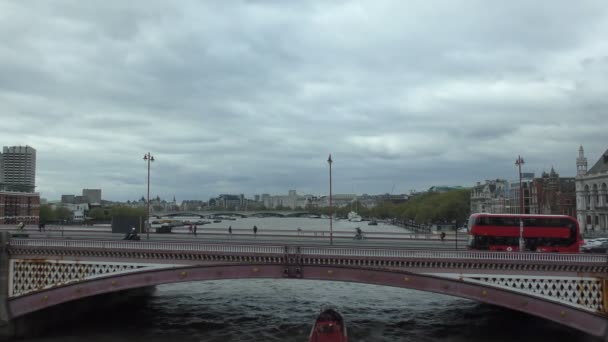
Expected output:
{"points": [[251, 96]]}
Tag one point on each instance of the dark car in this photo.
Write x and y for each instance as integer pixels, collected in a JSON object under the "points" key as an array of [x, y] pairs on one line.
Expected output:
{"points": [[601, 248]]}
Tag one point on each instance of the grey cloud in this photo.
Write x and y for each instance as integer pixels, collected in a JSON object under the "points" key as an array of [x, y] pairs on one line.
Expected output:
{"points": [[251, 97]]}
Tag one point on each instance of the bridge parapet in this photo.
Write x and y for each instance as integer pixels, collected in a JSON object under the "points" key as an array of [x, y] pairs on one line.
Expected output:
{"points": [[41, 245], [575, 282]]}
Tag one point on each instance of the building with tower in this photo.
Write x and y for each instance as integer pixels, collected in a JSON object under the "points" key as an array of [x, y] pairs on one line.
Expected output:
{"points": [[592, 192]]}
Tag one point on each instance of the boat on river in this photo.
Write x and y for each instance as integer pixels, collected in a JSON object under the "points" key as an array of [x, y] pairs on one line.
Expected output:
{"points": [[329, 327], [354, 217]]}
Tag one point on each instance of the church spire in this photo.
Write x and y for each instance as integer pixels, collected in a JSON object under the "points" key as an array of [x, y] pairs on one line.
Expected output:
{"points": [[581, 162]]}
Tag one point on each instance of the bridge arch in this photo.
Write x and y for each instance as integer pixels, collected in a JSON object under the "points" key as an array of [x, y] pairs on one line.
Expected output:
{"points": [[227, 213], [267, 214], [587, 322]]}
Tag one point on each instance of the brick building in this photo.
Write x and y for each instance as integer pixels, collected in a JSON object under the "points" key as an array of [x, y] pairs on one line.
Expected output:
{"points": [[555, 195], [18, 207]]}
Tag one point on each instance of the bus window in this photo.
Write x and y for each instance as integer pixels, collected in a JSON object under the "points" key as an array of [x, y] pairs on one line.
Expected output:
{"points": [[471, 221]]}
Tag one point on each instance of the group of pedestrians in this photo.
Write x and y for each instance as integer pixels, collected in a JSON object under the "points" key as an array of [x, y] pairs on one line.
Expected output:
{"points": [[41, 226], [193, 229], [255, 230]]}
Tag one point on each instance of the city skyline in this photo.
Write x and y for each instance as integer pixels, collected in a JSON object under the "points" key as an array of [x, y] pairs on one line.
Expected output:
{"points": [[437, 95], [528, 174]]}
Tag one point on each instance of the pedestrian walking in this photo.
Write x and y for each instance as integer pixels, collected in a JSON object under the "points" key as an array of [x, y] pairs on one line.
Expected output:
{"points": [[230, 230], [442, 236], [195, 228], [255, 230]]}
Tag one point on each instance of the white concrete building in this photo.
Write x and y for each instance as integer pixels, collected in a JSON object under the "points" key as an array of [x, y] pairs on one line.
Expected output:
{"points": [[592, 192], [79, 211], [490, 197]]}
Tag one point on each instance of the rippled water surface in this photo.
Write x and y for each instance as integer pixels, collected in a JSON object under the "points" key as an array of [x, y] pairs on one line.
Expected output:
{"points": [[283, 310]]}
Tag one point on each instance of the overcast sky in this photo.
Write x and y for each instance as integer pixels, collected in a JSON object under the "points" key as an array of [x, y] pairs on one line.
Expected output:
{"points": [[251, 96]]}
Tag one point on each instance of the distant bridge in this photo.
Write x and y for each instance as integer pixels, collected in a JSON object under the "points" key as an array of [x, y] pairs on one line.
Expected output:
{"points": [[571, 289], [260, 213]]}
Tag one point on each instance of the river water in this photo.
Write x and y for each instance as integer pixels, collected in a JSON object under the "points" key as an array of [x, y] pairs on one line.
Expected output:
{"points": [[284, 310], [293, 223]]}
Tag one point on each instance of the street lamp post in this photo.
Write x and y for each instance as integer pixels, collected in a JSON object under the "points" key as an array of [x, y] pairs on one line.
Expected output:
{"points": [[331, 214], [519, 162], [148, 158]]}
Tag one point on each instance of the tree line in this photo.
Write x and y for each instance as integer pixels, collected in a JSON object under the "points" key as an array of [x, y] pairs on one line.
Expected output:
{"points": [[432, 207], [49, 214]]}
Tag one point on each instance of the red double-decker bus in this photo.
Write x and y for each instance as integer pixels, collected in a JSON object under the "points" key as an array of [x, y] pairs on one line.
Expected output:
{"points": [[541, 233]]}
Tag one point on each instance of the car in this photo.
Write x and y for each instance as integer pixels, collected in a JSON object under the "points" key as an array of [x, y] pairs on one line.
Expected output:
{"points": [[594, 242], [602, 247]]}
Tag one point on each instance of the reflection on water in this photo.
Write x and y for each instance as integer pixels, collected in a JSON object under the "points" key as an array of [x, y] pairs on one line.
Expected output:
{"points": [[283, 310]]}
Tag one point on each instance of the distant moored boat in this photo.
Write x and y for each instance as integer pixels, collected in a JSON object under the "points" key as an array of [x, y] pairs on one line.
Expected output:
{"points": [[354, 217]]}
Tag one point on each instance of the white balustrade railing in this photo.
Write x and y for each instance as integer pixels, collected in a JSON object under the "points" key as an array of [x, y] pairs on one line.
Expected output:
{"points": [[455, 255], [148, 246], [319, 251]]}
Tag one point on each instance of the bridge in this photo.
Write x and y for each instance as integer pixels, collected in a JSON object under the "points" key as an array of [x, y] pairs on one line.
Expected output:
{"points": [[39, 273], [258, 213]]}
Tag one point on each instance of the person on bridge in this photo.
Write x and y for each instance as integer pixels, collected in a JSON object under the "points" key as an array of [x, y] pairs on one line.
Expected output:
{"points": [[194, 229], [230, 230], [442, 236], [255, 230], [358, 234]]}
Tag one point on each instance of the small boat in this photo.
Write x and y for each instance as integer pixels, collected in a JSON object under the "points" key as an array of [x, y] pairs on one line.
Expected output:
{"points": [[217, 221], [354, 217], [329, 327]]}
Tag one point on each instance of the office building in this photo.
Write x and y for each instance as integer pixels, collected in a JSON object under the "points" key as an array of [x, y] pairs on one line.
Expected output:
{"points": [[92, 195], [18, 168]]}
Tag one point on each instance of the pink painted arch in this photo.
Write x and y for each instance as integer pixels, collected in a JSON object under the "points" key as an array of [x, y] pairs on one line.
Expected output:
{"points": [[587, 322]]}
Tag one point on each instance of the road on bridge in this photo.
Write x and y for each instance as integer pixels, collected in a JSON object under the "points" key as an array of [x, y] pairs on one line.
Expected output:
{"points": [[406, 241]]}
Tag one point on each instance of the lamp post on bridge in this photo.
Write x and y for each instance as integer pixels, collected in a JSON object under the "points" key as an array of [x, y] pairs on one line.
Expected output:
{"points": [[148, 158], [519, 162], [331, 215]]}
